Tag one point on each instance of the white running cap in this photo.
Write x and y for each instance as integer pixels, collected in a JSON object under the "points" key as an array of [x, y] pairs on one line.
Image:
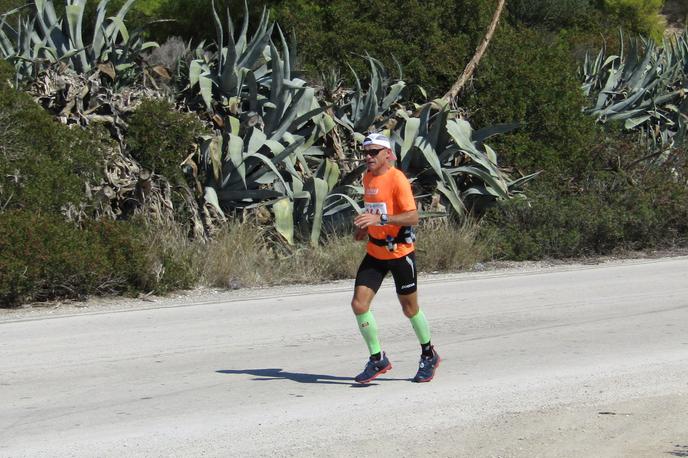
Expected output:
{"points": [[377, 139]]}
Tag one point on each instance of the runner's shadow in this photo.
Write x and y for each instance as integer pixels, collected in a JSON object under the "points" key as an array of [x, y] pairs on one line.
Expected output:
{"points": [[681, 450], [279, 374]]}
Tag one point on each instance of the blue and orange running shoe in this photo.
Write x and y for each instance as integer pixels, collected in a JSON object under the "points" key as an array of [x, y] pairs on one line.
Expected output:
{"points": [[426, 367], [373, 369]]}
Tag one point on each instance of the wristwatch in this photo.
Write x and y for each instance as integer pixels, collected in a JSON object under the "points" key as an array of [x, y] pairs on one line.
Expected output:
{"points": [[384, 219]]}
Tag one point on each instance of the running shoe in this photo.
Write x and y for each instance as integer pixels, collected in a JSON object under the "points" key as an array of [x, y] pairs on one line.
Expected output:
{"points": [[426, 367], [373, 369]]}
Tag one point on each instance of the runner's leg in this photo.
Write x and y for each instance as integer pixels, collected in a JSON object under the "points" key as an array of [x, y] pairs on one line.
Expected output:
{"points": [[406, 278], [368, 280], [365, 319]]}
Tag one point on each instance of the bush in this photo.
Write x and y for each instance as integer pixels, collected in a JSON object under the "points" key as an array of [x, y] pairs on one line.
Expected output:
{"points": [[43, 257], [605, 214], [43, 164], [6, 75], [530, 77], [7, 5], [554, 14], [432, 40], [160, 137], [640, 16]]}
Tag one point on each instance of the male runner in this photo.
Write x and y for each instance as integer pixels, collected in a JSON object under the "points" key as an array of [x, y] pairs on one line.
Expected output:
{"points": [[390, 211]]}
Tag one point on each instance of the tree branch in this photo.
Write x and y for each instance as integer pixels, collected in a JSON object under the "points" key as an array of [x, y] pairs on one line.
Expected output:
{"points": [[470, 68]]}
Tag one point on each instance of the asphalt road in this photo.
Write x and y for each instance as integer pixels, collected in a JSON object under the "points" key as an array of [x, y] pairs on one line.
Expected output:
{"points": [[568, 361]]}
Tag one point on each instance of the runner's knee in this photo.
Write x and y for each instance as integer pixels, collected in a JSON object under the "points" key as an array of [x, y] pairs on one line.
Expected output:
{"points": [[409, 304], [359, 306]]}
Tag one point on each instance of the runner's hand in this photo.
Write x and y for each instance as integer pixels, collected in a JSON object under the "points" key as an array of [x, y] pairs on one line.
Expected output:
{"points": [[365, 220]]}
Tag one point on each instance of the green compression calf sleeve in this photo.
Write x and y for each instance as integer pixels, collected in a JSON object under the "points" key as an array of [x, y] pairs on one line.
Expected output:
{"points": [[421, 327], [368, 327]]}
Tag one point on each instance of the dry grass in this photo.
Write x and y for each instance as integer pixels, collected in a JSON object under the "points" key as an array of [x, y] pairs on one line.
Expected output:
{"points": [[246, 254], [444, 246], [174, 261], [238, 256], [335, 259]]}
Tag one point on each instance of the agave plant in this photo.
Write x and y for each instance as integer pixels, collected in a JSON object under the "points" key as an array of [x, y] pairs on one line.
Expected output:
{"points": [[646, 87], [362, 111], [440, 153], [247, 170], [46, 39], [274, 145], [436, 149], [221, 73], [268, 149], [268, 152], [443, 154], [335, 189]]}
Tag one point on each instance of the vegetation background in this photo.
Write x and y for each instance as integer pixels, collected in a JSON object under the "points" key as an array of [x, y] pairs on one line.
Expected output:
{"points": [[599, 190]]}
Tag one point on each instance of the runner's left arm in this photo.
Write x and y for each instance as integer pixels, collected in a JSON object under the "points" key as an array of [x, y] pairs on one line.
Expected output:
{"points": [[406, 203]]}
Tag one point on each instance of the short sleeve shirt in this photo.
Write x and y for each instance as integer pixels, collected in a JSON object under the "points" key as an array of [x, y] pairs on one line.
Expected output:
{"points": [[388, 193]]}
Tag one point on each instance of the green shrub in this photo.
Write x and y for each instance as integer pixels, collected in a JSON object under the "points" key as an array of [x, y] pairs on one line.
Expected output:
{"points": [[640, 16], [554, 14], [160, 137], [43, 164], [624, 201], [433, 40], [6, 74], [7, 5], [43, 257], [530, 77], [603, 214]]}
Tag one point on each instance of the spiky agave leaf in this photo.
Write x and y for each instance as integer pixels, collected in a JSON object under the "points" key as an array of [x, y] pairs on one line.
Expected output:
{"points": [[47, 39], [644, 87], [221, 70], [362, 111]]}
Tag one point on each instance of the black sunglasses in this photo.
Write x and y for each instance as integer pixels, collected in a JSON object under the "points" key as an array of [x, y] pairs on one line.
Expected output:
{"points": [[372, 152]]}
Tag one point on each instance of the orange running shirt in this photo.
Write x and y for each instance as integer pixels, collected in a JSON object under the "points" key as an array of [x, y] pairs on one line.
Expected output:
{"points": [[388, 193]]}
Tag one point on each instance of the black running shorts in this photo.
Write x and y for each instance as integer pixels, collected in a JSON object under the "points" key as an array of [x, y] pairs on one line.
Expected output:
{"points": [[372, 271]]}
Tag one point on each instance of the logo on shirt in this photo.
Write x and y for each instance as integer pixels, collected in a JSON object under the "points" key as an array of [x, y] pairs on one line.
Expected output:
{"points": [[372, 191]]}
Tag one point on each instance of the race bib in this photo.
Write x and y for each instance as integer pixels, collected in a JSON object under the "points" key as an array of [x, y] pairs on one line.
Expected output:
{"points": [[376, 208]]}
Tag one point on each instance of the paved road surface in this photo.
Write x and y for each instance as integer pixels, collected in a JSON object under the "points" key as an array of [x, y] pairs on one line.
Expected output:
{"points": [[568, 361]]}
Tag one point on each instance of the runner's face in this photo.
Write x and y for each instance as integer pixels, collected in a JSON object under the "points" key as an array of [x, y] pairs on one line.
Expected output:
{"points": [[376, 158]]}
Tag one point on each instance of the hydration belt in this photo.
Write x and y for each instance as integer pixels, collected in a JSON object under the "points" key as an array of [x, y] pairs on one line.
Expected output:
{"points": [[405, 235]]}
